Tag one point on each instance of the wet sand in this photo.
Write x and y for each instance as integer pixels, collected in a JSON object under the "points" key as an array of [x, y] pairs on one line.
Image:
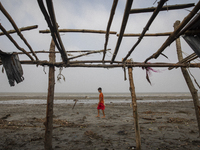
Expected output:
{"points": [[163, 126]]}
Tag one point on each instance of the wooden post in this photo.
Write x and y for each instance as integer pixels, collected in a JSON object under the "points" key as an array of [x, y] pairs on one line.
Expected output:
{"points": [[135, 113], [50, 97], [188, 80]]}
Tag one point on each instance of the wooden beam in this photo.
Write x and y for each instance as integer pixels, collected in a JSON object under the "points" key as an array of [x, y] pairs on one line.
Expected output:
{"points": [[55, 25], [169, 7], [14, 42], [21, 29], [189, 25], [135, 112], [79, 30], [189, 32], [75, 51], [53, 30], [193, 90], [117, 64], [123, 26], [3, 10], [174, 35], [146, 28], [186, 59], [88, 53], [112, 13], [50, 99]]}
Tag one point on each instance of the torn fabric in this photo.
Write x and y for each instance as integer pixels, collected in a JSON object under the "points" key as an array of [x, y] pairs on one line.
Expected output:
{"points": [[13, 67]]}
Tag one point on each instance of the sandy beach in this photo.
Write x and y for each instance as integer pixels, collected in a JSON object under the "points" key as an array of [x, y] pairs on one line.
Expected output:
{"points": [[163, 126]]}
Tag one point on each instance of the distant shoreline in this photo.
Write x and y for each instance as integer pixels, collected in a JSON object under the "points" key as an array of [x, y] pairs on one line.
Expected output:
{"points": [[94, 97]]}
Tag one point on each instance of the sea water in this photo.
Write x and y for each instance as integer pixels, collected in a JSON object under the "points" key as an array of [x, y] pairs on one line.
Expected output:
{"points": [[88, 98]]}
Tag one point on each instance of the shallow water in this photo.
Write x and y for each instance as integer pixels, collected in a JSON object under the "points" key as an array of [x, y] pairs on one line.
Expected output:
{"points": [[42, 101]]}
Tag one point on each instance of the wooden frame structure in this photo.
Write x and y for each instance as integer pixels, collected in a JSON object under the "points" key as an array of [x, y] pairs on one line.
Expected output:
{"points": [[49, 16]]}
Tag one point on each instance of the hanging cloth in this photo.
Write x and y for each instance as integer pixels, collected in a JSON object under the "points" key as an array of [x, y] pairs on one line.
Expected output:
{"points": [[13, 67]]}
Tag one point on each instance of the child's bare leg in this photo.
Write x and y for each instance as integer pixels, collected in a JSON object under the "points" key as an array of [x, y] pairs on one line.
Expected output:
{"points": [[98, 113], [103, 114]]}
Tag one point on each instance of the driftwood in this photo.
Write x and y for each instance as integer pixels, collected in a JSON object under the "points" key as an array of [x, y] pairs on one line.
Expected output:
{"points": [[123, 26], [17, 29], [173, 36], [75, 100], [14, 42], [21, 29], [108, 26], [53, 27], [169, 7], [79, 30], [146, 28]]}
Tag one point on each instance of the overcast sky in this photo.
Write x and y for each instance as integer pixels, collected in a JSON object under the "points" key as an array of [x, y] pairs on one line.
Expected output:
{"points": [[94, 14]]}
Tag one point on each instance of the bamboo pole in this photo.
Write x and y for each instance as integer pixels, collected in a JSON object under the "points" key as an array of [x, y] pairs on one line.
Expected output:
{"points": [[88, 53], [75, 51], [55, 25], [146, 28], [79, 30], [52, 28], [14, 42], [188, 80], [3, 10], [21, 29], [112, 13], [123, 26], [186, 59], [117, 64], [189, 32], [189, 26], [50, 99], [169, 7], [135, 113], [173, 36]]}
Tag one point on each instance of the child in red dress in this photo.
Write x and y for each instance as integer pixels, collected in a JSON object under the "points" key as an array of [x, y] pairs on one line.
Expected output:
{"points": [[101, 104]]}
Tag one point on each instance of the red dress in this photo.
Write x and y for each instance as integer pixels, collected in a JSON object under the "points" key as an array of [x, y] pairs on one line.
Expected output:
{"points": [[101, 104]]}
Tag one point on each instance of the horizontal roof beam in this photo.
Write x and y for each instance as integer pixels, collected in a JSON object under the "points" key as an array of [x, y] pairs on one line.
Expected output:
{"points": [[21, 29], [115, 65], [169, 7], [79, 30], [189, 32]]}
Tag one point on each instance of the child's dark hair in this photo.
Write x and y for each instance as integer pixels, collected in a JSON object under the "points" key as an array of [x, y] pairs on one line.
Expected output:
{"points": [[100, 88]]}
